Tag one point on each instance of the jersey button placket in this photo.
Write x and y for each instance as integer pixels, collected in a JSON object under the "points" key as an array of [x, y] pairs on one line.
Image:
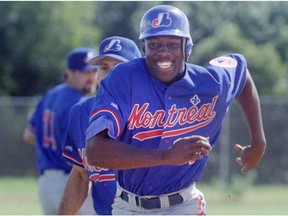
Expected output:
{"points": [[168, 104]]}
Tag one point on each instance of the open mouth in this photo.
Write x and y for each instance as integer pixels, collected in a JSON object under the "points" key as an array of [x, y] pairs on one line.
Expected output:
{"points": [[164, 65]]}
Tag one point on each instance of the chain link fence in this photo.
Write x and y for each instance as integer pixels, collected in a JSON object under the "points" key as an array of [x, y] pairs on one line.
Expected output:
{"points": [[18, 158]]}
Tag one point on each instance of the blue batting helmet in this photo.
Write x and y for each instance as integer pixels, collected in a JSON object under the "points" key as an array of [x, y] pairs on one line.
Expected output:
{"points": [[166, 20], [117, 47]]}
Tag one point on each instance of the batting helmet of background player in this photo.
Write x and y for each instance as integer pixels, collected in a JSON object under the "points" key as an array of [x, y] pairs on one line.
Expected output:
{"points": [[166, 20], [117, 47]]}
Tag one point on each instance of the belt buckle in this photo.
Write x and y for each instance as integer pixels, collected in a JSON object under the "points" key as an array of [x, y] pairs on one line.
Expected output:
{"points": [[148, 202], [173, 199]]}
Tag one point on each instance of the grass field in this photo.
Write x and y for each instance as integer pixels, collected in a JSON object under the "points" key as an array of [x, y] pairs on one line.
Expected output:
{"points": [[256, 200], [18, 196]]}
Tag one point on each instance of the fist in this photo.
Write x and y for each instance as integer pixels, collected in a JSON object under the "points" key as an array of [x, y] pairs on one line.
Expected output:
{"points": [[189, 150]]}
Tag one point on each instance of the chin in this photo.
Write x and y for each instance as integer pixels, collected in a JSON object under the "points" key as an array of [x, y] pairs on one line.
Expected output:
{"points": [[89, 90]]}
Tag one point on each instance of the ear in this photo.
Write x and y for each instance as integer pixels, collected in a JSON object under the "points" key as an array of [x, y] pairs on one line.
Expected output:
{"points": [[67, 73], [143, 47]]}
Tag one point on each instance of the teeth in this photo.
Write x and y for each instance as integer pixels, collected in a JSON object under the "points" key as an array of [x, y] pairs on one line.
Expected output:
{"points": [[164, 64]]}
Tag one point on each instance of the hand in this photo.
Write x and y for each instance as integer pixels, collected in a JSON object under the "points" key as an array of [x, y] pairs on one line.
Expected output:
{"points": [[249, 157], [188, 149]]}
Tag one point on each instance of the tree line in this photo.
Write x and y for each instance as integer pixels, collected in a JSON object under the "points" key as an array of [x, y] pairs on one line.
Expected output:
{"points": [[36, 37]]}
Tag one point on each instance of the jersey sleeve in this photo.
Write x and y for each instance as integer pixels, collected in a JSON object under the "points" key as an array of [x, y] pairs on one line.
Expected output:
{"points": [[36, 117], [70, 150], [112, 104], [233, 69]]}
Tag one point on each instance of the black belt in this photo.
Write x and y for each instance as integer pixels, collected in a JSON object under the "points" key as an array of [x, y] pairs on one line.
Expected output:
{"points": [[154, 202]]}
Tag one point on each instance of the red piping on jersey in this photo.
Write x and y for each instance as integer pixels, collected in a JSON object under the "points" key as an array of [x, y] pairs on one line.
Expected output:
{"points": [[113, 113], [102, 177], [70, 157]]}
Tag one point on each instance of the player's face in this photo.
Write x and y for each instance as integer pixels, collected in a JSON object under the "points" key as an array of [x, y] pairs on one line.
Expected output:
{"points": [[164, 57], [84, 82], [105, 66]]}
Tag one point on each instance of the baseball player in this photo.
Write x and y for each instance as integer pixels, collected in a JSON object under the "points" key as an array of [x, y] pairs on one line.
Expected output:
{"points": [[112, 51], [48, 124], [156, 119]]}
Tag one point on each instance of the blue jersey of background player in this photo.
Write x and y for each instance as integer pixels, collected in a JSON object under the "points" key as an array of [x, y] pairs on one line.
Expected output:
{"points": [[112, 51], [48, 124], [163, 116]]}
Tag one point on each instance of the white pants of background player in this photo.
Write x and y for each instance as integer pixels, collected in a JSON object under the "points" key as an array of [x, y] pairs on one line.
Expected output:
{"points": [[51, 187], [193, 204]]}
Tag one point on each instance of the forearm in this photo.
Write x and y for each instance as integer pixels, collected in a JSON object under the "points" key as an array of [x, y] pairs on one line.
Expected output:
{"points": [[113, 154], [108, 153], [75, 193], [250, 106]]}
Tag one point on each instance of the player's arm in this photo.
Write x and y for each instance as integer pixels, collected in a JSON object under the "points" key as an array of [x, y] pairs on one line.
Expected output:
{"points": [[103, 151], [75, 192], [29, 136], [249, 103]]}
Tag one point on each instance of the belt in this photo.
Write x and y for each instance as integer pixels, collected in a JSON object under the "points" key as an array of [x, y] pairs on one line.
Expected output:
{"points": [[155, 202]]}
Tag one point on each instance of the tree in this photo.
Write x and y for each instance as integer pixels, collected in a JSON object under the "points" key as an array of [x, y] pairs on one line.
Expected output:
{"points": [[36, 37], [263, 61]]}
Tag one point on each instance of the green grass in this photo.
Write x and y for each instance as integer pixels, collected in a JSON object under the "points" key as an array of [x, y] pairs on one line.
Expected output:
{"points": [[18, 196], [252, 200]]}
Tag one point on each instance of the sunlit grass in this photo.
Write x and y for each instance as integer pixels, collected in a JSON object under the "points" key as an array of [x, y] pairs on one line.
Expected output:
{"points": [[255, 200], [18, 196]]}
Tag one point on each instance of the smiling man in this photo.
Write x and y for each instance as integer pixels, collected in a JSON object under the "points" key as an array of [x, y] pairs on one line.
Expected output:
{"points": [[157, 118]]}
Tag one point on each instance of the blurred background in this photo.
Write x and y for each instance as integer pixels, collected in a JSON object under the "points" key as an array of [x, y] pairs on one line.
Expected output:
{"points": [[35, 38]]}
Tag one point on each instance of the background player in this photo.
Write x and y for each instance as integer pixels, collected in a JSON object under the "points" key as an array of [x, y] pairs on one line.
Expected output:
{"points": [[48, 124], [157, 118], [112, 51]]}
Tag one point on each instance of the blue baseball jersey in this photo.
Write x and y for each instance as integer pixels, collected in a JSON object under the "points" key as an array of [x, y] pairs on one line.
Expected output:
{"points": [[103, 180], [49, 123], [145, 112]]}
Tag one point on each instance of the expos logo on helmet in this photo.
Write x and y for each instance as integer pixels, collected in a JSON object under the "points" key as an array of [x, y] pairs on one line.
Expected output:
{"points": [[114, 45], [166, 20], [163, 20]]}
